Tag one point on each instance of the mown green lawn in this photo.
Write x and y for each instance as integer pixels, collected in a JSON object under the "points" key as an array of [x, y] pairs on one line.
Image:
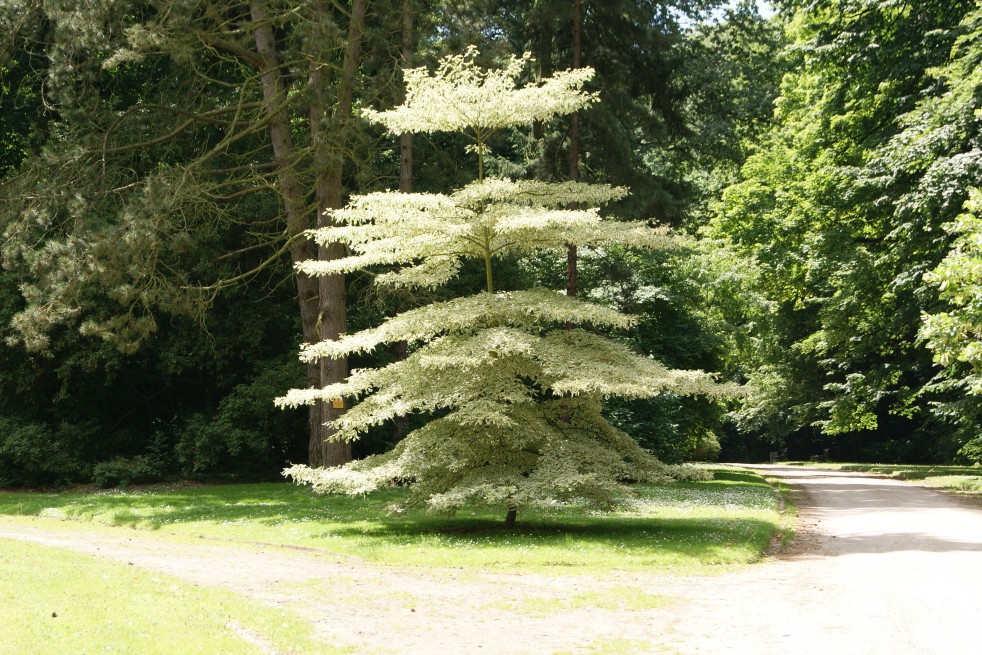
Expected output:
{"points": [[56, 601], [675, 527], [53, 601]]}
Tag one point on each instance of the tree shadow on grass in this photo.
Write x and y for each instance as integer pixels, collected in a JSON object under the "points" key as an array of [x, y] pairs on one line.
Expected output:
{"points": [[561, 528], [731, 476], [227, 503], [369, 519], [366, 523], [609, 543]]}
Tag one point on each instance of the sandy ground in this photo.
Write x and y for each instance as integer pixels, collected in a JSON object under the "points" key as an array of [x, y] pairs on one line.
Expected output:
{"points": [[879, 566]]}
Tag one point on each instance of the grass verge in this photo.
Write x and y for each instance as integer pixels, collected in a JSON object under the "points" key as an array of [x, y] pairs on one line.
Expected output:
{"points": [[681, 527], [56, 601], [963, 479], [788, 508]]}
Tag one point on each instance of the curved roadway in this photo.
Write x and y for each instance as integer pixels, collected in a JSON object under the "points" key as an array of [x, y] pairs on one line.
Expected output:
{"points": [[880, 567]]}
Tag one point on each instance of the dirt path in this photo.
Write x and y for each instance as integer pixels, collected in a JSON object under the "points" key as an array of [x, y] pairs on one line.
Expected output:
{"points": [[880, 567]]}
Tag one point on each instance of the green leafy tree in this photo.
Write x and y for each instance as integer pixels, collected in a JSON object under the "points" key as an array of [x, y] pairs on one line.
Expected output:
{"points": [[840, 208], [637, 136], [189, 145], [730, 78], [955, 336], [513, 398]]}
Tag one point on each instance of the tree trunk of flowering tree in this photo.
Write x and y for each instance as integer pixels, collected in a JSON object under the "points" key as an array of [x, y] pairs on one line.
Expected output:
{"points": [[510, 517]]}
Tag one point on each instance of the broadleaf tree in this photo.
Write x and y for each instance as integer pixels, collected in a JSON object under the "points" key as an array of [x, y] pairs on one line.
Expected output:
{"points": [[873, 148], [955, 336], [512, 396]]}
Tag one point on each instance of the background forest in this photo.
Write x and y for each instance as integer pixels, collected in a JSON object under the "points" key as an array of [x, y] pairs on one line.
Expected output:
{"points": [[160, 162]]}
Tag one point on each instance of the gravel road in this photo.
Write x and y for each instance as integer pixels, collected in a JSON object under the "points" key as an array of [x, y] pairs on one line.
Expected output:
{"points": [[880, 566]]}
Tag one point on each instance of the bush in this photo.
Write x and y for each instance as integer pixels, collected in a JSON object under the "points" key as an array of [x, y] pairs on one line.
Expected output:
{"points": [[674, 429], [971, 452], [247, 436], [33, 453], [706, 448], [126, 471]]}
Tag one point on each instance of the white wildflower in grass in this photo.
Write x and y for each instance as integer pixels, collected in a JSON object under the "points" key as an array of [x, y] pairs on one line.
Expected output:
{"points": [[511, 383]]}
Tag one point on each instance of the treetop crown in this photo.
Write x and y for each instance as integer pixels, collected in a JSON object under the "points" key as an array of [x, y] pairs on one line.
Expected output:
{"points": [[462, 97]]}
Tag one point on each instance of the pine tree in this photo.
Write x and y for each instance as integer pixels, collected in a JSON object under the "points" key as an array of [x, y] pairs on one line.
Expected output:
{"points": [[513, 396]]}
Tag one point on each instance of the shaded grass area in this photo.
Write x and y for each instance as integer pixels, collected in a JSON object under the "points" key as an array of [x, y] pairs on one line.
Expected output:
{"points": [[55, 601], [728, 520], [966, 479]]}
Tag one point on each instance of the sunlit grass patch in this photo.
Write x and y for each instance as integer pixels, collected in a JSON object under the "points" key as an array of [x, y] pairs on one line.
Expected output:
{"points": [[53, 601], [965, 483], [682, 526]]}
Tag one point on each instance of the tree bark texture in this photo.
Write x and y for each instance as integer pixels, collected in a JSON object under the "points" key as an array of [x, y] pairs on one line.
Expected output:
{"points": [[329, 164], [406, 139], [511, 517], [574, 144], [289, 187], [543, 55], [322, 300], [400, 348]]}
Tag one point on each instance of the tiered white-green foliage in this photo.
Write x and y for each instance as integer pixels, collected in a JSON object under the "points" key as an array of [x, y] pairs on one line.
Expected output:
{"points": [[513, 393]]}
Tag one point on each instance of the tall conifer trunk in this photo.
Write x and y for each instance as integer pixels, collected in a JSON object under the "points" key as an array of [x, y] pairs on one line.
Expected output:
{"points": [[329, 163], [574, 144], [400, 348], [406, 138], [291, 191], [322, 300], [543, 55]]}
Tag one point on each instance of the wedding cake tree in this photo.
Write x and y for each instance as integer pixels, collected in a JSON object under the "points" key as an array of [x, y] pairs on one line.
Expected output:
{"points": [[511, 383]]}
